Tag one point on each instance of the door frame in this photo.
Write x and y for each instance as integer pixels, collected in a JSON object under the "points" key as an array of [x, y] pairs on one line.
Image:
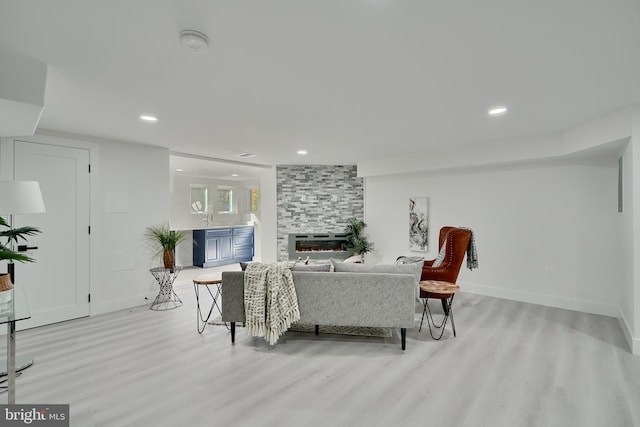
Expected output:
{"points": [[7, 145]]}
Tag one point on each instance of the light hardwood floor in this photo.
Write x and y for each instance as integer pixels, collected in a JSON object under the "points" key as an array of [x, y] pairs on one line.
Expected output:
{"points": [[512, 364]]}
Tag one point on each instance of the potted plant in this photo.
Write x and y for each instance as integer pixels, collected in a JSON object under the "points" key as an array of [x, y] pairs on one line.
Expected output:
{"points": [[13, 235], [165, 241], [357, 242]]}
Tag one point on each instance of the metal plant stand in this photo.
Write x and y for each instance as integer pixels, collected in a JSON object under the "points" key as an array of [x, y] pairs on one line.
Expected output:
{"points": [[167, 299]]}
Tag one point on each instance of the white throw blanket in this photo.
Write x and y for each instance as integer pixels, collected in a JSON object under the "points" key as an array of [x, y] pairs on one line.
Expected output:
{"points": [[270, 300], [472, 252]]}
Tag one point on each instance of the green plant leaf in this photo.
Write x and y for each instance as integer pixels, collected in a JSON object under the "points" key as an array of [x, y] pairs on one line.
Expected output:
{"points": [[162, 238], [8, 255], [357, 242], [13, 235]]}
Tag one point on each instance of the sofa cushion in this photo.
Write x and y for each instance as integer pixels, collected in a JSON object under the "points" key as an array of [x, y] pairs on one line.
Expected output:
{"points": [[413, 268]]}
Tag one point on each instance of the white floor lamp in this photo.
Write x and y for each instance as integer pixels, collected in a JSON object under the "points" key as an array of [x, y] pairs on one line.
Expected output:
{"points": [[19, 197]]}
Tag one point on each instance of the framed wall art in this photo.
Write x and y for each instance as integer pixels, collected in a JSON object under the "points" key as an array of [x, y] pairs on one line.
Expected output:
{"points": [[419, 224]]}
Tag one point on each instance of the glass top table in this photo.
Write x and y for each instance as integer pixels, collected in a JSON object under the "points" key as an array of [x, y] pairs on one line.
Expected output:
{"points": [[16, 309], [11, 312]]}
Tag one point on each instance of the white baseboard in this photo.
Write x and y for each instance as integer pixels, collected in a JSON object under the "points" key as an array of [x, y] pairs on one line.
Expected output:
{"points": [[634, 343], [100, 307], [542, 299]]}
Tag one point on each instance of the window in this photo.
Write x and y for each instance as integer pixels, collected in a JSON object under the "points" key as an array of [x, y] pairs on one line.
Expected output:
{"points": [[225, 200], [198, 199], [254, 199]]}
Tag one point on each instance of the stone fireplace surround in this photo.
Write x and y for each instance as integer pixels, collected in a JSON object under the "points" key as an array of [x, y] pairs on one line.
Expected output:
{"points": [[316, 199]]}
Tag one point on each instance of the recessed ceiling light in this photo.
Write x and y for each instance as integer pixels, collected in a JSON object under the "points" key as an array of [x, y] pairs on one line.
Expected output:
{"points": [[234, 174], [179, 170], [148, 118], [496, 111], [302, 152]]}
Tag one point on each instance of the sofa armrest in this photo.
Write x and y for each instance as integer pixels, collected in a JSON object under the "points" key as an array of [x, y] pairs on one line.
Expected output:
{"points": [[233, 296]]}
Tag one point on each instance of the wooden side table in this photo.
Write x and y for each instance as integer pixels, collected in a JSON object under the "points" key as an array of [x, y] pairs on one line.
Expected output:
{"points": [[445, 292], [207, 280]]}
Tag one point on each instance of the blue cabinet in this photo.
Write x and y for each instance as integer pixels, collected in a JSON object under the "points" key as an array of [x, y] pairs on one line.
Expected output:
{"points": [[221, 246]]}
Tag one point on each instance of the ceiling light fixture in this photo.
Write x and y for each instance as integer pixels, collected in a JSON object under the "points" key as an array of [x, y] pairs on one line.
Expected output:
{"points": [[234, 174], [148, 118], [179, 170], [496, 111], [194, 40], [302, 152]]}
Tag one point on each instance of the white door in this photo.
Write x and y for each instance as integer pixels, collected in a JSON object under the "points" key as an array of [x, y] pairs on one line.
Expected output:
{"points": [[57, 284]]}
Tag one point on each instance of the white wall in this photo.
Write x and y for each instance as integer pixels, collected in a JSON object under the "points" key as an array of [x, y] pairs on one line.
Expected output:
{"points": [[545, 234], [625, 235], [22, 91], [267, 223], [121, 258], [633, 295]]}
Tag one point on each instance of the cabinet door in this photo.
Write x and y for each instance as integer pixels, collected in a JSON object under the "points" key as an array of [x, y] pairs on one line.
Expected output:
{"points": [[199, 248], [224, 246], [243, 244], [213, 249], [243, 254]]}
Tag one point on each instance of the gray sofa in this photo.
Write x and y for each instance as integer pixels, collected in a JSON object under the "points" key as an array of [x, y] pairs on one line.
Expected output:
{"points": [[340, 298]]}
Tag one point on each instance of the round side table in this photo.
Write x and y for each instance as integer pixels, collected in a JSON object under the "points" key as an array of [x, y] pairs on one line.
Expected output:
{"points": [[445, 292], [207, 280]]}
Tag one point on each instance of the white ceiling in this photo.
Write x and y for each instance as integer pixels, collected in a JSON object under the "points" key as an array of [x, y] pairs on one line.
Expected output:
{"points": [[347, 80]]}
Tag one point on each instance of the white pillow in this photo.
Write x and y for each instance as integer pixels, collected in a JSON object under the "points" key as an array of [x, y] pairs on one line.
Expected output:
{"points": [[443, 251]]}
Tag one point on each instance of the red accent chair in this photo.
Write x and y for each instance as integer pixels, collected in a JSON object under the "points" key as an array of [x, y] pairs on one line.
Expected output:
{"points": [[457, 243]]}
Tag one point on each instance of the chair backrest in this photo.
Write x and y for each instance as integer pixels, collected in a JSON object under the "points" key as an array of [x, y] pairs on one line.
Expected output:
{"points": [[457, 243]]}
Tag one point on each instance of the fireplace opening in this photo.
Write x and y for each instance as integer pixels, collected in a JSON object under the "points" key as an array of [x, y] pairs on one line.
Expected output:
{"points": [[318, 246]]}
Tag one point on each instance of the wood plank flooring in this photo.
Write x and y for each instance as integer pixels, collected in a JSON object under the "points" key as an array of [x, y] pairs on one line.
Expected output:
{"points": [[512, 364]]}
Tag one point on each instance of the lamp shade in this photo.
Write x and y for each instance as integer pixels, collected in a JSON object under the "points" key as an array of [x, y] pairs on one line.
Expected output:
{"points": [[20, 197]]}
